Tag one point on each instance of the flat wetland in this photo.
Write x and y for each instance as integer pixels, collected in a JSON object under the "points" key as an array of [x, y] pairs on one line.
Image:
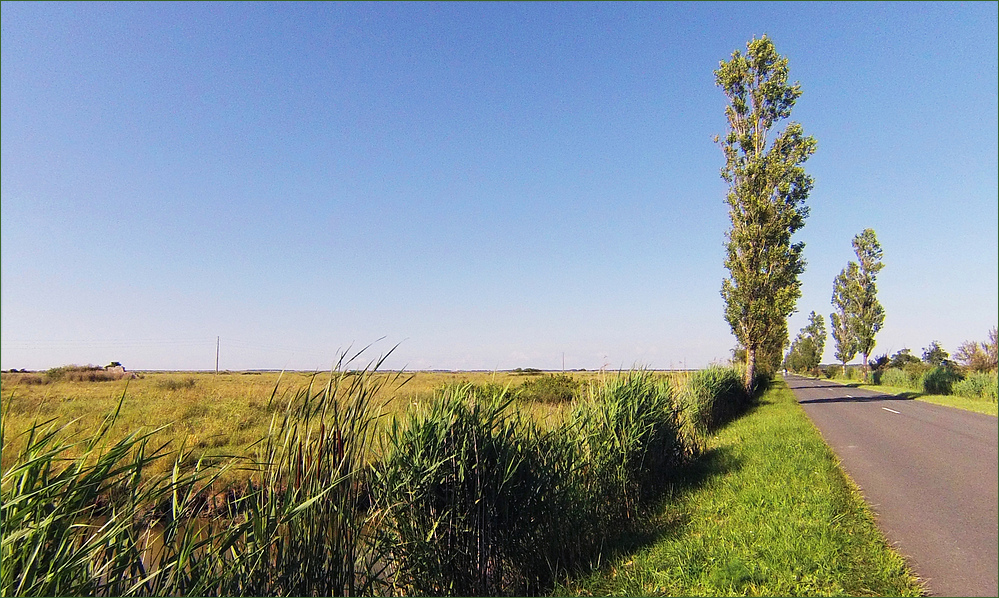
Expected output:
{"points": [[221, 415]]}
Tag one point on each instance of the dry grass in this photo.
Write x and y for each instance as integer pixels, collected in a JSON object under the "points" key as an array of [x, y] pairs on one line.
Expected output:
{"points": [[221, 414]]}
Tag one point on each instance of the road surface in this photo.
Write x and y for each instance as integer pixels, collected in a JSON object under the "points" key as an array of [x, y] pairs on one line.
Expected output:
{"points": [[928, 471]]}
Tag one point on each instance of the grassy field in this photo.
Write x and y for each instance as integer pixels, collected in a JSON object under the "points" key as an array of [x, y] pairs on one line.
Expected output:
{"points": [[766, 511], [219, 415], [479, 488]]}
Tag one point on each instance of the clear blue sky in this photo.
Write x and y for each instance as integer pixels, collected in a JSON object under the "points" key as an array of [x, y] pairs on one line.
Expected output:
{"points": [[487, 185]]}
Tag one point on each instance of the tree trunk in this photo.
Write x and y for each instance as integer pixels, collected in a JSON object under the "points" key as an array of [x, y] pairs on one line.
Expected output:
{"points": [[750, 368], [865, 366]]}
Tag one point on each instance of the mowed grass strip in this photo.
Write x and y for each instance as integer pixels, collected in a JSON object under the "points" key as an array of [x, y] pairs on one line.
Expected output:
{"points": [[766, 511]]}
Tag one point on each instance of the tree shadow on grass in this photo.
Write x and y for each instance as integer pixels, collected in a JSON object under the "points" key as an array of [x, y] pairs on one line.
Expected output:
{"points": [[665, 517]]}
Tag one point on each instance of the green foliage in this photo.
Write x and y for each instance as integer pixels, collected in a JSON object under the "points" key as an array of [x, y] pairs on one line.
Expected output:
{"points": [[859, 316], [464, 497], [482, 502], [771, 514], [978, 385], [464, 484], [868, 314], [842, 333], [935, 354], [903, 358], [712, 397], [83, 522], [898, 378], [555, 388], [767, 191], [940, 379], [630, 429], [806, 350], [880, 363]]}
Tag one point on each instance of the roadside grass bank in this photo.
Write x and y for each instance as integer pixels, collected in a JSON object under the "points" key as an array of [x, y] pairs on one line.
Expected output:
{"points": [[765, 511], [978, 405], [946, 384]]}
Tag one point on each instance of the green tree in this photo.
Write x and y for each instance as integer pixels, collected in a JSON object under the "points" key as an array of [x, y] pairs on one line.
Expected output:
{"points": [[935, 354], [767, 189], [807, 348], [869, 315], [902, 358], [855, 295], [978, 357], [842, 330]]}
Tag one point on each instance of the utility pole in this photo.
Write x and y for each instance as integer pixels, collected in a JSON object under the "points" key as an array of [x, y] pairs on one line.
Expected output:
{"points": [[218, 341]]}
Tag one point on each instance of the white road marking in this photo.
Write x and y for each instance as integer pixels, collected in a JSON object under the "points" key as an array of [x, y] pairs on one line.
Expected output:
{"points": [[848, 396], [892, 410]]}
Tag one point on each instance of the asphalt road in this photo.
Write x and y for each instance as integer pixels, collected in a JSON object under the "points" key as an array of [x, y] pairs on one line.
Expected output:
{"points": [[929, 472]]}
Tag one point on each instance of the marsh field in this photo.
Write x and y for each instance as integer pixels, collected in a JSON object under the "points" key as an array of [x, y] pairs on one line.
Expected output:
{"points": [[222, 414], [361, 482]]}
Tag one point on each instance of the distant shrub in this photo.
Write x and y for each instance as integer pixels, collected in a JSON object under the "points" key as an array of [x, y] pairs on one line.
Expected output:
{"points": [[896, 377], [978, 386], [177, 384], [528, 372], [15, 377], [556, 388], [830, 370], [83, 373], [940, 379], [917, 369]]}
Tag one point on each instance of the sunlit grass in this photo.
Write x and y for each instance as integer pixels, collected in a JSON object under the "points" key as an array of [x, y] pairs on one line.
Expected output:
{"points": [[767, 511]]}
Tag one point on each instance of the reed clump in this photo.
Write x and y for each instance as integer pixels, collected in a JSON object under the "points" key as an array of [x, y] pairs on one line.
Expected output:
{"points": [[481, 501]]}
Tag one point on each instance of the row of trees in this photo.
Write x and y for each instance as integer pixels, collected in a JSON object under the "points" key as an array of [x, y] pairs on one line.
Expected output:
{"points": [[805, 354], [767, 190], [859, 315], [973, 356]]}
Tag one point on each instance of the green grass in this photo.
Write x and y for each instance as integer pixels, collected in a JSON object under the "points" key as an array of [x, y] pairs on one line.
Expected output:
{"points": [[767, 511], [509, 502]]}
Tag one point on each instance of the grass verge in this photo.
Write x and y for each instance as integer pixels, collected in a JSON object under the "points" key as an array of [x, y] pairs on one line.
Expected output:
{"points": [[968, 404], [978, 405], [766, 511]]}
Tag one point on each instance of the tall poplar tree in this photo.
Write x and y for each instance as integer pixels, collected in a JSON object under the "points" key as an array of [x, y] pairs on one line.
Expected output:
{"points": [[767, 189], [855, 295], [843, 332]]}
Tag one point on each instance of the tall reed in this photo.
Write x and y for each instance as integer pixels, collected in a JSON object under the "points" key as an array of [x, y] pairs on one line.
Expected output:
{"points": [[97, 523], [480, 501], [460, 482]]}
